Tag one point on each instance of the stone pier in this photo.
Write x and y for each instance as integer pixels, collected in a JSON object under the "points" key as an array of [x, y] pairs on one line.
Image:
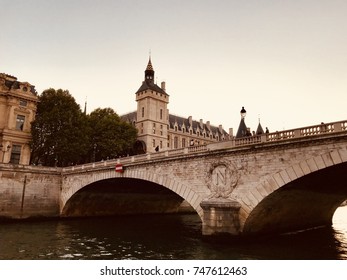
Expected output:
{"points": [[221, 217]]}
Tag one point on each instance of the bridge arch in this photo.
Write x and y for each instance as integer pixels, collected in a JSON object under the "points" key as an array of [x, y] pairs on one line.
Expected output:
{"points": [[73, 183], [264, 209]]}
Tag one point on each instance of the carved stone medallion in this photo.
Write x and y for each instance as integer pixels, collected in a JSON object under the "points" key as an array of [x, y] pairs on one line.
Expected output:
{"points": [[222, 178]]}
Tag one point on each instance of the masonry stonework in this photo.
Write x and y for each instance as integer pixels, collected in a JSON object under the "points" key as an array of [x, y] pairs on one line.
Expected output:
{"points": [[258, 172], [265, 187], [27, 192]]}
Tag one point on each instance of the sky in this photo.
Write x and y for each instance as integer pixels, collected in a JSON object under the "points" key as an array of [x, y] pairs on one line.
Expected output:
{"points": [[284, 61]]}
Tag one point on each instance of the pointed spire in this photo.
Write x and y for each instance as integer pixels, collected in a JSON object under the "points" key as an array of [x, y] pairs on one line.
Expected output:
{"points": [[149, 72], [149, 65], [260, 129], [85, 107]]}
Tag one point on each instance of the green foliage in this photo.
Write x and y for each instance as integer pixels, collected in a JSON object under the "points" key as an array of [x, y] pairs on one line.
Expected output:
{"points": [[59, 131], [62, 135], [110, 136]]}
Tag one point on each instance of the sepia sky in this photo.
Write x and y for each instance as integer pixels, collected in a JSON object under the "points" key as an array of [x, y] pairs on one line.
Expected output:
{"points": [[284, 61]]}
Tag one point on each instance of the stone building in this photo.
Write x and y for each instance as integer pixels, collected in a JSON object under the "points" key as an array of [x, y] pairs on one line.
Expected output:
{"points": [[158, 129], [18, 102]]}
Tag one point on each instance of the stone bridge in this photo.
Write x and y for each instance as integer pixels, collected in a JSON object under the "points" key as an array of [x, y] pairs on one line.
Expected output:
{"points": [[270, 183], [275, 182]]}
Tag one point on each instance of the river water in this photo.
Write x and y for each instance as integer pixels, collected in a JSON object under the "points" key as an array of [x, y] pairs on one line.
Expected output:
{"points": [[160, 237]]}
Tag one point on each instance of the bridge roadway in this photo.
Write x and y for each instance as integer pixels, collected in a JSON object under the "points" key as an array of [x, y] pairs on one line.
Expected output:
{"points": [[277, 182]]}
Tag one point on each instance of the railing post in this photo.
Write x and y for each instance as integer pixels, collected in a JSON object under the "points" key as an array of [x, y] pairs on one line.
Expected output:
{"points": [[337, 127], [263, 138], [297, 133]]}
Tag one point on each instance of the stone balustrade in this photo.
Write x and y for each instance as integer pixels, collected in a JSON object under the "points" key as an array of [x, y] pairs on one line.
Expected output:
{"points": [[310, 131]]}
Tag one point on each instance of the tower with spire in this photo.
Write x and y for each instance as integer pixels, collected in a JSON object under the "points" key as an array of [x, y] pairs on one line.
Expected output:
{"points": [[152, 112], [158, 130]]}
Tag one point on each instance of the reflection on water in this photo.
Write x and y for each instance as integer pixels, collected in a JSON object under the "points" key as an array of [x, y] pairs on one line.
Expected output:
{"points": [[160, 237]]}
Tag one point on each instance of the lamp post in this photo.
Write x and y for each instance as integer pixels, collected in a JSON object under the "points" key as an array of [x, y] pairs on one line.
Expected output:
{"points": [[243, 113]]}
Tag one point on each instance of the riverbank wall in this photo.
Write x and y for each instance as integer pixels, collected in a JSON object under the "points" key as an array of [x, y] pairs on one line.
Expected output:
{"points": [[29, 192]]}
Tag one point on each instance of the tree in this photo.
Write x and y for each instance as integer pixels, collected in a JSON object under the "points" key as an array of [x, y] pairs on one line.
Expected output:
{"points": [[59, 132], [110, 137]]}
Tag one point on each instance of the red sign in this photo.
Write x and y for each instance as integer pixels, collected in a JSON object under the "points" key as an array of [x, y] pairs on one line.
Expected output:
{"points": [[119, 168]]}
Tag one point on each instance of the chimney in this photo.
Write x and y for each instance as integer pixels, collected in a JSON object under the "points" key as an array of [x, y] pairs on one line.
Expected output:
{"points": [[201, 123], [220, 128], [190, 120], [208, 125], [163, 86], [231, 132]]}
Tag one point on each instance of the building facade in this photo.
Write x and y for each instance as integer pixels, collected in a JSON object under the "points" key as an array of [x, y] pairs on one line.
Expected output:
{"points": [[158, 129], [18, 102]]}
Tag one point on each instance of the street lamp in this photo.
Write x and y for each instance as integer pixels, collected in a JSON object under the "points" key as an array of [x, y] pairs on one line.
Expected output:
{"points": [[243, 113]]}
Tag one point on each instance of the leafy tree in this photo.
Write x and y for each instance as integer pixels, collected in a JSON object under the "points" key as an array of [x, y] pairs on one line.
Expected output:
{"points": [[59, 132], [110, 136]]}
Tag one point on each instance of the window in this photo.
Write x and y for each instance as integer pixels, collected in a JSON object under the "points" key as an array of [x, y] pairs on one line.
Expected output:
{"points": [[143, 112], [161, 144], [183, 142], [175, 142], [161, 114], [153, 141], [23, 103], [20, 122], [15, 154]]}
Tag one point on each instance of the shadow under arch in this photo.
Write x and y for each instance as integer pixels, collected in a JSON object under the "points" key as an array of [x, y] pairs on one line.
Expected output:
{"points": [[124, 196], [306, 202], [73, 184]]}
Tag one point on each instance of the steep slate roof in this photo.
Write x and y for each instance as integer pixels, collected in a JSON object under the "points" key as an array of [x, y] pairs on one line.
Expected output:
{"points": [[259, 129], [195, 125], [150, 85], [181, 121], [242, 131], [130, 117]]}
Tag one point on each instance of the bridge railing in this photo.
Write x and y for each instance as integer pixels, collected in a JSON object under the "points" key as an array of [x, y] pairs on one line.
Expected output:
{"points": [[277, 136]]}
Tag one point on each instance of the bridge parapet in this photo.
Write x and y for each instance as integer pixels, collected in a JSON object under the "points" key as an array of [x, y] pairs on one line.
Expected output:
{"points": [[319, 129], [278, 136]]}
